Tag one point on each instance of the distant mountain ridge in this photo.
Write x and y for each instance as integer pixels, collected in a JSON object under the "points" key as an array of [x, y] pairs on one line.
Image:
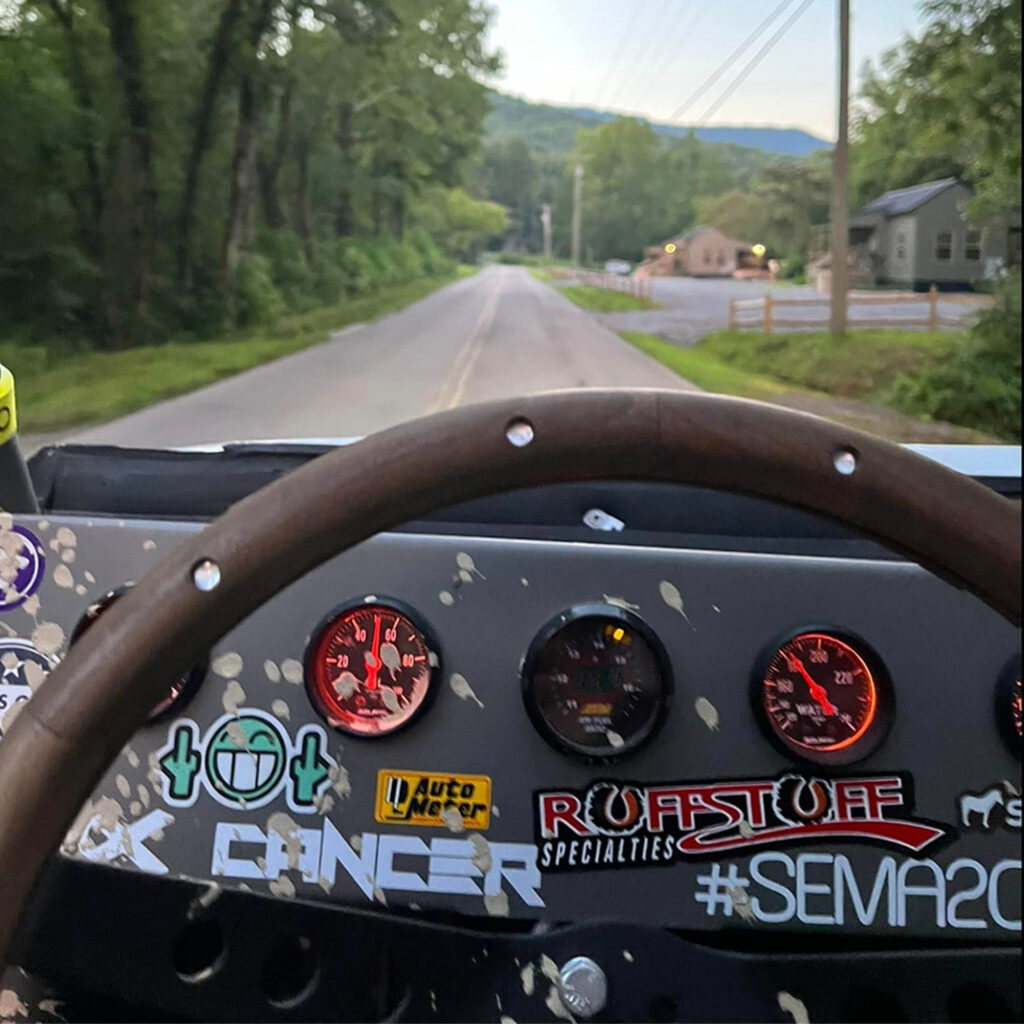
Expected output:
{"points": [[553, 129]]}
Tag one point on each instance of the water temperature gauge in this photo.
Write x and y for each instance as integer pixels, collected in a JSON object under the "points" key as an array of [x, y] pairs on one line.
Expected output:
{"points": [[825, 697]]}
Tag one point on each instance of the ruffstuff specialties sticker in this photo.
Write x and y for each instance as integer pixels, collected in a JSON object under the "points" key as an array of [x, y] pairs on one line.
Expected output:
{"points": [[433, 799], [614, 824]]}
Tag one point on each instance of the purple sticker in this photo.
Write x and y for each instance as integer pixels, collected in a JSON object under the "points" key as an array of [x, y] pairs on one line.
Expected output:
{"points": [[30, 566]]}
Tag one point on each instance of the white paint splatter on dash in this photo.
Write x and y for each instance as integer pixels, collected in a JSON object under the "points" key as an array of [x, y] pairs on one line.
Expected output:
{"points": [[671, 596], [447, 598], [620, 602], [292, 671], [497, 905], [461, 688], [707, 713], [613, 738], [228, 665], [234, 697], [271, 671], [794, 1007], [281, 710]]}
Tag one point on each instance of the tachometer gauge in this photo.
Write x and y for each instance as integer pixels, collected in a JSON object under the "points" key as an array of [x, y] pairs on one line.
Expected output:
{"points": [[825, 697], [370, 668], [597, 682], [1008, 705]]}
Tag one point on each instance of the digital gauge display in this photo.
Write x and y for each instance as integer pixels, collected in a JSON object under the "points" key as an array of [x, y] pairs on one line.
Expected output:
{"points": [[597, 682], [825, 697], [370, 668]]}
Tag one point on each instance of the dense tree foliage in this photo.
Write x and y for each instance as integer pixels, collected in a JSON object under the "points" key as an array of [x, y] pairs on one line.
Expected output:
{"points": [[181, 167], [947, 103]]}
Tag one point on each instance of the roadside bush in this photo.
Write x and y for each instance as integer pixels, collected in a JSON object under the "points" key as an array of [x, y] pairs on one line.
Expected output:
{"points": [[435, 263], [979, 384], [793, 267], [291, 273], [257, 299], [407, 261]]}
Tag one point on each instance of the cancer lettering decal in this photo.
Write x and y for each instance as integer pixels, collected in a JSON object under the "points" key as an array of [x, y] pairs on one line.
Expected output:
{"points": [[614, 824]]}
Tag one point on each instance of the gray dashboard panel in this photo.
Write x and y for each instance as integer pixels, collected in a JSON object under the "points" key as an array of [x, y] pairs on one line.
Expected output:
{"points": [[944, 651]]}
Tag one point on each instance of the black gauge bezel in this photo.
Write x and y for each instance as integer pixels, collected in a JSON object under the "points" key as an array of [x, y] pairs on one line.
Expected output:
{"points": [[328, 621], [885, 710], [190, 681], [603, 613], [1004, 694]]}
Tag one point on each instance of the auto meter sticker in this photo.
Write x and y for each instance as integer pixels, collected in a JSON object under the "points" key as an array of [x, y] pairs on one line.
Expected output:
{"points": [[16, 657], [378, 863], [999, 806], [825, 889], [614, 824], [21, 566], [245, 760], [432, 798]]}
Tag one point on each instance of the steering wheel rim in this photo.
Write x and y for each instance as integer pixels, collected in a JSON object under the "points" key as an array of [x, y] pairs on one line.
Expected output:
{"points": [[85, 711]]}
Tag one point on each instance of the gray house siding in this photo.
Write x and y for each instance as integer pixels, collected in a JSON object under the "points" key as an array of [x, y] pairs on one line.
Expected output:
{"points": [[901, 245], [943, 227]]}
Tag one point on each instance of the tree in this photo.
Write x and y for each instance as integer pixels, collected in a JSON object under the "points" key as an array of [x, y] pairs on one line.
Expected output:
{"points": [[947, 103]]}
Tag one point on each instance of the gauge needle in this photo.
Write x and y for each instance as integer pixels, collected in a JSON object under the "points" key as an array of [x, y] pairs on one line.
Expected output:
{"points": [[373, 657], [818, 692]]}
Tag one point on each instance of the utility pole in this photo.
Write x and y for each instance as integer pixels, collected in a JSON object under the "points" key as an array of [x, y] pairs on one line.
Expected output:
{"points": [[840, 183], [545, 223], [577, 214]]}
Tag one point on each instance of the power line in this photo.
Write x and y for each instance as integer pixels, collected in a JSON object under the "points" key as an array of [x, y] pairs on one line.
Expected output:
{"points": [[728, 62], [619, 51], [674, 42], [753, 62], [639, 63]]}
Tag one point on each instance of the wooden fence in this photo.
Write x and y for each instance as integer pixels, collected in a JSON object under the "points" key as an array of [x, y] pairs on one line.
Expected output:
{"points": [[769, 312], [638, 287]]}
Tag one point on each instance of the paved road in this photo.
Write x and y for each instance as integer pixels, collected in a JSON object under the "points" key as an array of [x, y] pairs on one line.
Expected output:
{"points": [[498, 334], [695, 306]]}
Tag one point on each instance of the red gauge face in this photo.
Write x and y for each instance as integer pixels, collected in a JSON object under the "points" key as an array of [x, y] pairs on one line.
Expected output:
{"points": [[179, 692], [820, 696], [1008, 705], [1015, 707], [370, 670]]}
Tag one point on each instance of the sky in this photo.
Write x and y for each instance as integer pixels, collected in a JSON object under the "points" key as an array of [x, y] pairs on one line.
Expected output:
{"points": [[647, 57]]}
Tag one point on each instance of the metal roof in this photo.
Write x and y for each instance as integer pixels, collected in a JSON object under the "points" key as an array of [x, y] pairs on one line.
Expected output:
{"points": [[906, 200]]}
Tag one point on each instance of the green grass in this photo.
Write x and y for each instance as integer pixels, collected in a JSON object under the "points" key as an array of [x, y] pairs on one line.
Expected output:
{"points": [[706, 370], [861, 365], [60, 391], [600, 300]]}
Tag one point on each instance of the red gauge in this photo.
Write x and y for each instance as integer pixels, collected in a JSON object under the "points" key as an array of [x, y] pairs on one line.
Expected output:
{"points": [[370, 669], [179, 692], [825, 697]]}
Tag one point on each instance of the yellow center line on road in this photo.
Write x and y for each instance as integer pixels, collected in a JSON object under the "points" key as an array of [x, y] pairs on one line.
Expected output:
{"points": [[451, 391]]}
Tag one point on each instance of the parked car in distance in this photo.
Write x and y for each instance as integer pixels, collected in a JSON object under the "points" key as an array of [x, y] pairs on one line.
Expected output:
{"points": [[620, 267]]}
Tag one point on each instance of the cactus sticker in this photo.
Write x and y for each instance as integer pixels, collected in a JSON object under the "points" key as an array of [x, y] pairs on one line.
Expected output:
{"points": [[245, 760]]}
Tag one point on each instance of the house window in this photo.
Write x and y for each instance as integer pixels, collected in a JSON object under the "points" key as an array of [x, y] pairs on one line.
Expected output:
{"points": [[944, 245], [901, 246], [972, 245], [707, 257], [721, 258]]}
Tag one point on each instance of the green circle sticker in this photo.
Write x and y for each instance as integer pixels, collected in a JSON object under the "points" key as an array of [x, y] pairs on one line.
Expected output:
{"points": [[245, 759]]}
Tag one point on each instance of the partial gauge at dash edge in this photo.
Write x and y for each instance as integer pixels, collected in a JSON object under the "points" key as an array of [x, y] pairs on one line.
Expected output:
{"points": [[180, 692], [371, 667], [597, 683]]}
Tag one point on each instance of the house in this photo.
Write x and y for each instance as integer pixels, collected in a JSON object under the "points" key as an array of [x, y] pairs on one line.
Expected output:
{"points": [[702, 252], [920, 235]]}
